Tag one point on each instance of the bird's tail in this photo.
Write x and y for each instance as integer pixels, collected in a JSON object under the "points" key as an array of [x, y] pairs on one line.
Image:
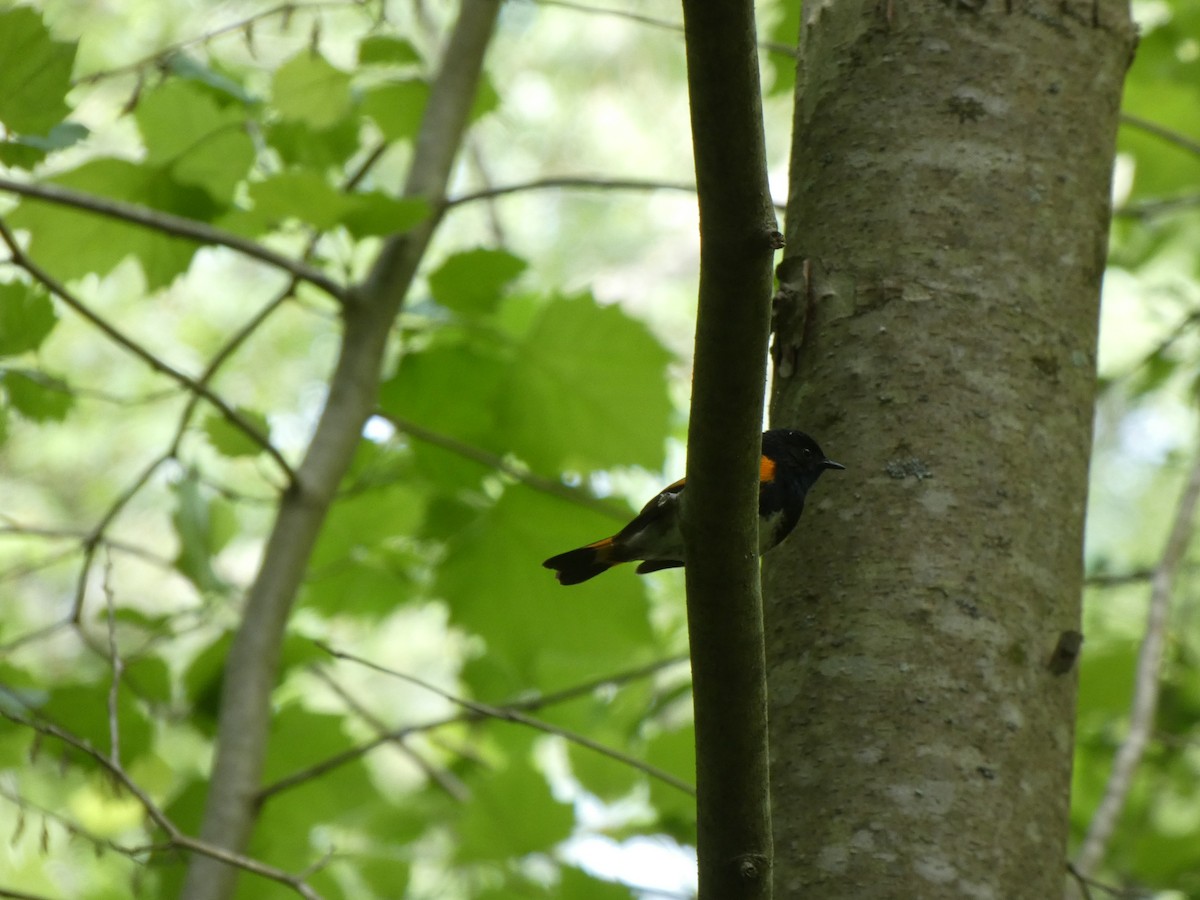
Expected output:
{"points": [[583, 563]]}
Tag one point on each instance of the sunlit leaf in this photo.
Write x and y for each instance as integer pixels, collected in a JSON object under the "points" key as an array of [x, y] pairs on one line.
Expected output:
{"points": [[472, 282], [35, 73], [493, 578], [397, 107], [230, 439], [37, 396], [197, 141], [386, 49], [308, 89], [489, 831], [26, 317], [588, 390], [72, 243]]}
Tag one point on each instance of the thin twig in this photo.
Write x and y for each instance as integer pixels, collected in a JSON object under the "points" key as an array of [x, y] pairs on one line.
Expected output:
{"points": [[641, 19], [1080, 880], [158, 817], [492, 461], [176, 226], [93, 540], [1170, 136], [534, 702], [72, 827], [17, 530], [445, 780], [1147, 209], [117, 666], [509, 714], [159, 57], [1146, 683], [21, 259], [21, 895], [580, 182]]}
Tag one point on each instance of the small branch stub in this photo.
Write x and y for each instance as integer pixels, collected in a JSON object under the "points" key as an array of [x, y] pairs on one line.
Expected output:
{"points": [[1066, 652], [753, 866]]}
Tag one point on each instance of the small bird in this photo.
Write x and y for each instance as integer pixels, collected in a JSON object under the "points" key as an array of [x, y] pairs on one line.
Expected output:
{"points": [[791, 464]]}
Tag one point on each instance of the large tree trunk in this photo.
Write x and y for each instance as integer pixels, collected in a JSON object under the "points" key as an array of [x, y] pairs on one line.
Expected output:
{"points": [[946, 238]]}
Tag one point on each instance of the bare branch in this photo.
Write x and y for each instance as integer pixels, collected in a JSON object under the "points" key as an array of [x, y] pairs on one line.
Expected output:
{"points": [[176, 226], [642, 19], [572, 181], [161, 57], [1181, 141], [1148, 209], [117, 665], [447, 781], [492, 461], [21, 259], [508, 714], [21, 895], [528, 703], [252, 665], [1146, 684], [158, 817]]}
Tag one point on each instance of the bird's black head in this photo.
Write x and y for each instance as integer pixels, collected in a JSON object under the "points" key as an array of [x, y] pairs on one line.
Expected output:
{"points": [[796, 452]]}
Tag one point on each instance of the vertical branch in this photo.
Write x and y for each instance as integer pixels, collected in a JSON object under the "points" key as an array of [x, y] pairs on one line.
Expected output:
{"points": [[737, 239], [252, 666], [1146, 681]]}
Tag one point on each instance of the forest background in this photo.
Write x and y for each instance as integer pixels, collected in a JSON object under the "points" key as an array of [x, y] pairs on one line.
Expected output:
{"points": [[450, 721]]}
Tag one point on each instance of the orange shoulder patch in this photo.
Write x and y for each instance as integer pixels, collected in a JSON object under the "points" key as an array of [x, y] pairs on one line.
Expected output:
{"points": [[766, 469]]}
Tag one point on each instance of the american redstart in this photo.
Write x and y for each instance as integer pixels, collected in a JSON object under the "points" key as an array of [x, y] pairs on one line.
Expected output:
{"points": [[791, 464]]}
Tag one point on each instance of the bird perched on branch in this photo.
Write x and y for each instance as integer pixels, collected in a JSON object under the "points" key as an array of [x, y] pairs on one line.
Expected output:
{"points": [[791, 464]]}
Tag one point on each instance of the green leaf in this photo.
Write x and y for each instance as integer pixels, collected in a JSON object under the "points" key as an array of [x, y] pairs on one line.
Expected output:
{"points": [[539, 633], [199, 142], [26, 317], [307, 196], [83, 710], [149, 678], [575, 884], [588, 390], [487, 98], [473, 281], [308, 89], [35, 73], [512, 813], [230, 440], [37, 396], [376, 213], [294, 829], [300, 194], [674, 752], [204, 524], [419, 391], [24, 151], [387, 50], [784, 31], [365, 562], [219, 84], [397, 107], [606, 778], [72, 243], [202, 682], [298, 144]]}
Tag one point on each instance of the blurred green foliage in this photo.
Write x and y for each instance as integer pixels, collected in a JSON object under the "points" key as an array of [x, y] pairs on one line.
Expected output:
{"points": [[539, 349]]}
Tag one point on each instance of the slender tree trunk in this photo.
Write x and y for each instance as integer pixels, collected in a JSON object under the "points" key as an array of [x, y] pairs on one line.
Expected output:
{"points": [[252, 667], [936, 330], [738, 239]]}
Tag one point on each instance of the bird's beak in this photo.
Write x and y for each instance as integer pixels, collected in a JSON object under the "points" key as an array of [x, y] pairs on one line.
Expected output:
{"points": [[830, 464]]}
